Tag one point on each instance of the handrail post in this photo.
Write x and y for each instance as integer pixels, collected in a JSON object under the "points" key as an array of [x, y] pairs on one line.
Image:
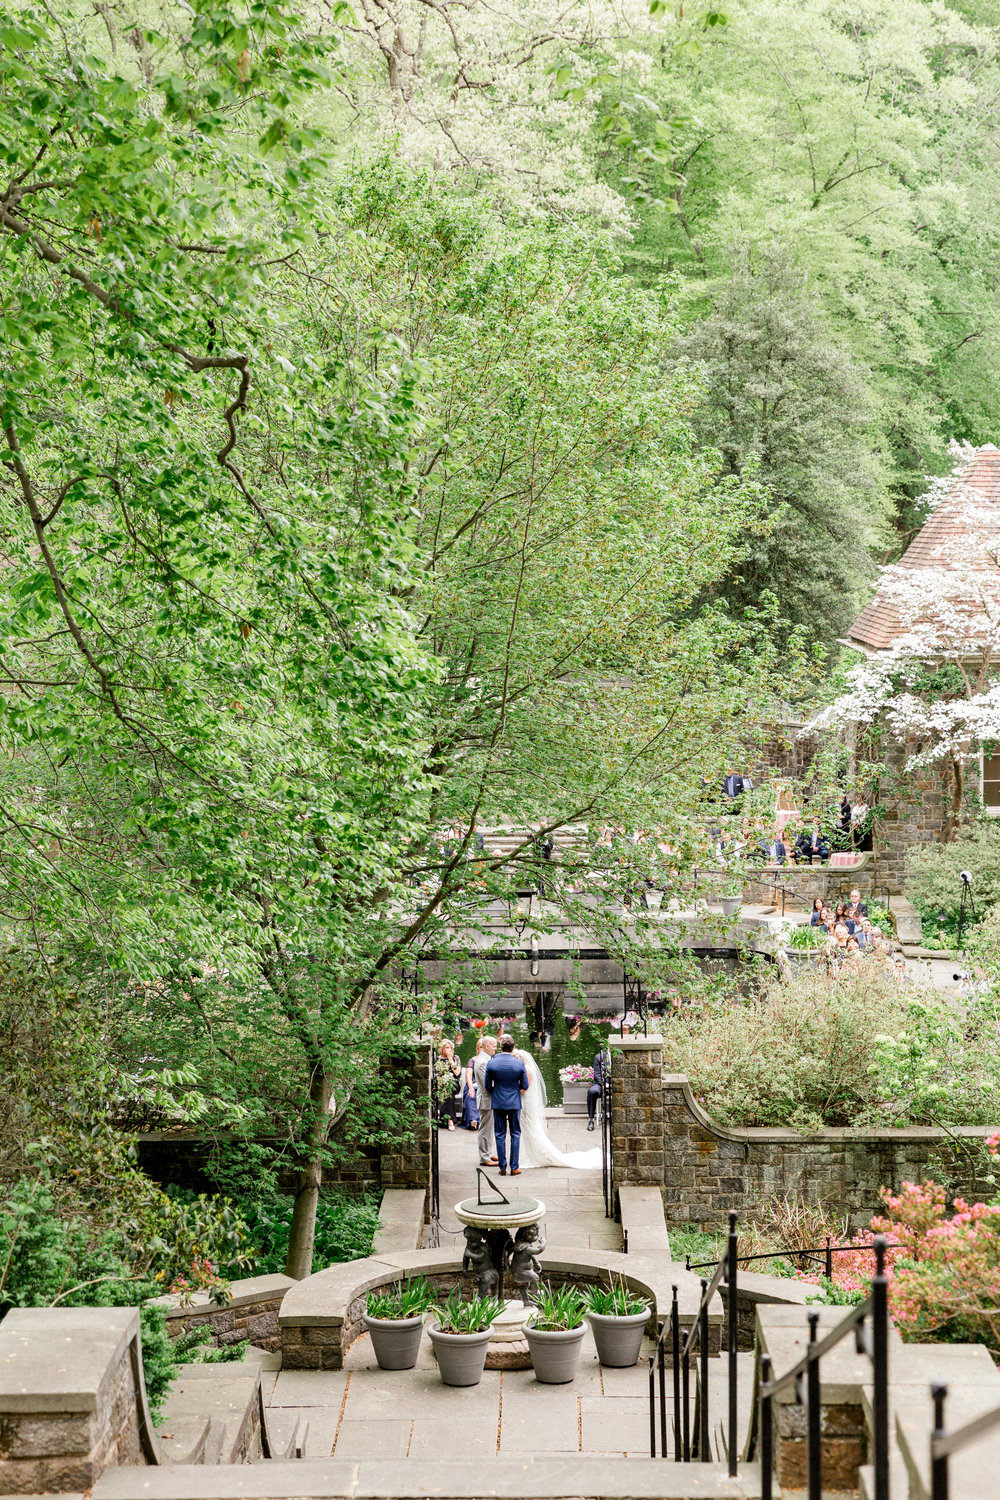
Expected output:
{"points": [[939, 1466], [652, 1412], [661, 1363], [686, 1402], [829, 1260], [675, 1349], [764, 1420], [703, 1428], [732, 1330], [880, 1361], [814, 1455]]}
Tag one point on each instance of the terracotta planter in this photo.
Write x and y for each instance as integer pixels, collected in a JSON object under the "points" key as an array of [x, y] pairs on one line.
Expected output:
{"points": [[461, 1357], [555, 1354], [618, 1339], [396, 1341]]}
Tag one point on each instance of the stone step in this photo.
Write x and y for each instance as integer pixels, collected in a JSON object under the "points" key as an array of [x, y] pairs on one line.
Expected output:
{"points": [[571, 1478], [229, 1396], [718, 1403], [974, 1474], [899, 1482], [183, 1439]]}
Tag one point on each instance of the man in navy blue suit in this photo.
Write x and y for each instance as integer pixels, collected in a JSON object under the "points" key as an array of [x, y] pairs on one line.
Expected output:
{"points": [[506, 1080]]}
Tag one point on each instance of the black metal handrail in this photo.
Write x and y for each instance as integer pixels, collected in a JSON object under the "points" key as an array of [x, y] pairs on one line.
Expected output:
{"points": [[827, 1252], [943, 1443], [725, 1271], [875, 1306], [607, 1141]]}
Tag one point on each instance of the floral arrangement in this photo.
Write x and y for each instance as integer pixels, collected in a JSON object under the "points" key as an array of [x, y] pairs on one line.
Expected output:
{"points": [[574, 1073]]}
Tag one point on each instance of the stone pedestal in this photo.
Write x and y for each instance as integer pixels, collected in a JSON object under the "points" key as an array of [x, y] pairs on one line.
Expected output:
{"points": [[637, 1110]]}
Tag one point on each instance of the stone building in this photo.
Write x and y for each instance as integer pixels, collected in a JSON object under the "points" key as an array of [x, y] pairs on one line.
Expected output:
{"points": [[916, 803]]}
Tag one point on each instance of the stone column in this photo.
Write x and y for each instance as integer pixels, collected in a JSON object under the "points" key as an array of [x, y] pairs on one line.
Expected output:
{"points": [[637, 1146], [407, 1163]]}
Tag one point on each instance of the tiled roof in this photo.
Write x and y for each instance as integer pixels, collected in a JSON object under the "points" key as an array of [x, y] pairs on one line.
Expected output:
{"points": [[878, 624]]}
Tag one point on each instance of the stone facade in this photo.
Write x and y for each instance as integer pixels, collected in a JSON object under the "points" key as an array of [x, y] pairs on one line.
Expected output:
{"points": [[661, 1135], [184, 1158], [637, 1110], [407, 1164], [709, 1168], [252, 1312], [69, 1406]]}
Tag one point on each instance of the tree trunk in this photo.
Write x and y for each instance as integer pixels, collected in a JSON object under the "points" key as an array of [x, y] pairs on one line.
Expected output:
{"points": [[954, 818], [302, 1236]]}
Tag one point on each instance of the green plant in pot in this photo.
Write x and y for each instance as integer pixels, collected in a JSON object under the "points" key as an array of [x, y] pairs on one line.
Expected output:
{"points": [[460, 1332], [617, 1318], [555, 1332], [394, 1316]]}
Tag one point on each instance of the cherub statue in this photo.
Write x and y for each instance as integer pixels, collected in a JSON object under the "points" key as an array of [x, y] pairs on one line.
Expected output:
{"points": [[523, 1265], [476, 1261]]}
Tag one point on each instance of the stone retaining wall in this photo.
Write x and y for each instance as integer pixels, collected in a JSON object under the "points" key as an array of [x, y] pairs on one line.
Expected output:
{"points": [[69, 1406], [710, 1168], [251, 1314], [661, 1135]]}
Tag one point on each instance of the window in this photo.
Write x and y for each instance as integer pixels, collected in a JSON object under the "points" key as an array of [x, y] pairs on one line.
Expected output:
{"points": [[991, 784]]}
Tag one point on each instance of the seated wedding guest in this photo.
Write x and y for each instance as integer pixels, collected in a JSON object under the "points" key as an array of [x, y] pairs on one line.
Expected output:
{"points": [[791, 856], [813, 843], [816, 920], [852, 945], [841, 915], [774, 851], [856, 907], [841, 935], [863, 933]]}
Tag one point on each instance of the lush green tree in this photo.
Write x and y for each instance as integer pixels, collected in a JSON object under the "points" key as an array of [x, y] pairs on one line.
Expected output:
{"points": [[332, 517]]}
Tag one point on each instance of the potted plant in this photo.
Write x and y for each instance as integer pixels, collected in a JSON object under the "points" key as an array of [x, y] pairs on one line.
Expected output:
{"points": [[576, 1080], [395, 1319], [617, 1318], [803, 942], [555, 1333], [460, 1333]]}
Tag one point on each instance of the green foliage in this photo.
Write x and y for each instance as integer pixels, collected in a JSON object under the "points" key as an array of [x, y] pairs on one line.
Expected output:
{"points": [[558, 1309], [847, 1049], [808, 937], [474, 1316], [809, 135], [159, 1358], [407, 1299], [614, 1301], [934, 882], [195, 1347]]}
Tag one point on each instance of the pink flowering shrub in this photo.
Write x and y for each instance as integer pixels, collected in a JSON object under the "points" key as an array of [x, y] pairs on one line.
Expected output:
{"points": [[944, 1277]]}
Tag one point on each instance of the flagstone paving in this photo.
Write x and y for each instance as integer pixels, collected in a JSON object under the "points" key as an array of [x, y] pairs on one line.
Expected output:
{"points": [[362, 1412], [573, 1197]]}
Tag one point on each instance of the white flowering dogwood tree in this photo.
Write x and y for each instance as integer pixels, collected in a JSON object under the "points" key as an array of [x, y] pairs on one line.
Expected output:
{"points": [[936, 686]]}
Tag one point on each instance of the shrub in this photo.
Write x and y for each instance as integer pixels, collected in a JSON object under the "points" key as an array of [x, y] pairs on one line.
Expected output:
{"points": [[345, 1228], [933, 874], [852, 1049]]}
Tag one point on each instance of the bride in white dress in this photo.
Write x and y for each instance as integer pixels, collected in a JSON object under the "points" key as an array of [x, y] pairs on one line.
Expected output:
{"points": [[537, 1147]]}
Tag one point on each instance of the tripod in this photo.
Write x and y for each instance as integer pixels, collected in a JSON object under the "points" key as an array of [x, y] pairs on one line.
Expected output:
{"points": [[968, 904]]}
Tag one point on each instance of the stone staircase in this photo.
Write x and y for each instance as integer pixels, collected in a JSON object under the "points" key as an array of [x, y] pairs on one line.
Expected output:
{"points": [[217, 1414]]}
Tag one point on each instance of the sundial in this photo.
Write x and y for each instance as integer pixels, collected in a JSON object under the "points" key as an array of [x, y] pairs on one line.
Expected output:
{"points": [[500, 1216]]}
